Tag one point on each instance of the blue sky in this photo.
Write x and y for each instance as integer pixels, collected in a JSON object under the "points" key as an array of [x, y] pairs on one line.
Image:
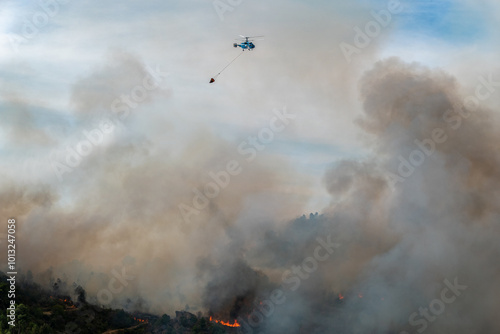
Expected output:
{"points": [[451, 21]]}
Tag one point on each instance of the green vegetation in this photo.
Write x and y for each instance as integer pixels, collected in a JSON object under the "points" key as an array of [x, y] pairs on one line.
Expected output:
{"points": [[37, 312]]}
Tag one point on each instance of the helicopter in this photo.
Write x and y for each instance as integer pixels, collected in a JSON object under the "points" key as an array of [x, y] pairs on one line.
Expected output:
{"points": [[246, 42]]}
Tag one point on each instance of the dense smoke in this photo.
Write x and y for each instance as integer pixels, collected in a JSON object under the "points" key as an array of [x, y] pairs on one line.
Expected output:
{"points": [[416, 224], [421, 211]]}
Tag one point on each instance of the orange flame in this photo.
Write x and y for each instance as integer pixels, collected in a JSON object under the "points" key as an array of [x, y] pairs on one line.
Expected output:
{"points": [[236, 324], [61, 300]]}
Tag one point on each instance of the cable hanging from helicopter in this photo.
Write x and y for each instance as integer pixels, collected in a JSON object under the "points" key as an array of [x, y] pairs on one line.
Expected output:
{"points": [[246, 43]]}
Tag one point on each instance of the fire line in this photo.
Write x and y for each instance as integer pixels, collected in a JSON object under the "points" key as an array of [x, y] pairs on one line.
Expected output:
{"points": [[236, 324]]}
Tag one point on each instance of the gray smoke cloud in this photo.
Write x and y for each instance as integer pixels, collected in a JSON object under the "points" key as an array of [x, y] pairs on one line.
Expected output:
{"points": [[420, 211], [118, 208], [404, 239]]}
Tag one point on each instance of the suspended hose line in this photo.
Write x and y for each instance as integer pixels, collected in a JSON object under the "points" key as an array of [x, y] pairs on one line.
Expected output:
{"points": [[215, 77]]}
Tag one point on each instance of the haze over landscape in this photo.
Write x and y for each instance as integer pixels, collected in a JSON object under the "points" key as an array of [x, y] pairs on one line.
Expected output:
{"points": [[342, 177]]}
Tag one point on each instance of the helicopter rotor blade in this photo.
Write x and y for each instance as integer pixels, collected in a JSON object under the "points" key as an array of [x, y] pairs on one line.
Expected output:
{"points": [[245, 37], [249, 39]]}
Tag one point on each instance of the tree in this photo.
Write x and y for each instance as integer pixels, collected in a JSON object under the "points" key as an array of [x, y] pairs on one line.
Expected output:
{"points": [[34, 329], [164, 320], [45, 329], [58, 310], [82, 295], [121, 319]]}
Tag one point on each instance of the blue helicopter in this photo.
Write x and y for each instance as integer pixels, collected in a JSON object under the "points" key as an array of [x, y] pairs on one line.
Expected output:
{"points": [[246, 42]]}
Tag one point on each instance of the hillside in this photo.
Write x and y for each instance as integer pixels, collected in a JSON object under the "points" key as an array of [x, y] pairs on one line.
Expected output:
{"points": [[38, 311]]}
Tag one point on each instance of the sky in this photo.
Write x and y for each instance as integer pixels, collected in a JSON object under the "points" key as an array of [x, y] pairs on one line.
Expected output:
{"points": [[66, 68], [299, 56]]}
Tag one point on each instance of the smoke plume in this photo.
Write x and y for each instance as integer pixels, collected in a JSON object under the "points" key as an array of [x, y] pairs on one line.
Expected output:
{"points": [[420, 211]]}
